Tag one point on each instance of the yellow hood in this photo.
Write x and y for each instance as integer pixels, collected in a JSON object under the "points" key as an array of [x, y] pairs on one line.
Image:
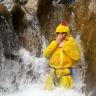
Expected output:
{"points": [[63, 28]]}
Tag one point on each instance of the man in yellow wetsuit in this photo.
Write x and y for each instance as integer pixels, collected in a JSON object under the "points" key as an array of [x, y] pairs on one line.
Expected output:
{"points": [[63, 54]]}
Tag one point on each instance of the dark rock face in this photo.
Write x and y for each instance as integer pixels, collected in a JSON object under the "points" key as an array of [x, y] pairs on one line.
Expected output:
{"points": [[86, 24], [43, 9], [27, 29], [20, 2], [88, 41], [18, 22], [8, 38], [51, 16]]}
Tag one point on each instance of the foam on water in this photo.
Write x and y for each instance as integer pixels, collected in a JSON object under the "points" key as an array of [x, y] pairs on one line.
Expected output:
{"points": [[36, 88]]}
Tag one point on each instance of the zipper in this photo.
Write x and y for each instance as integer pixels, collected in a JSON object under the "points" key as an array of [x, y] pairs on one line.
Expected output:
{"points": [[61, 58]]}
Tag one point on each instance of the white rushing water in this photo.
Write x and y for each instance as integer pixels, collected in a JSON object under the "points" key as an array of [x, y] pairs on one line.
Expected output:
{"points": [[39, 65], [31, 67], [36, 91], [36, 88]]}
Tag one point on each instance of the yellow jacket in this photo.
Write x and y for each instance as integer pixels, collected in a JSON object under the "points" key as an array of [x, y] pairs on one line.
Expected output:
{"points": [[65, 56]]}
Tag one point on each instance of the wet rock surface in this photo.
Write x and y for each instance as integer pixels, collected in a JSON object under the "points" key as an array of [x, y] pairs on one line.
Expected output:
{"points": [[86, 21]]}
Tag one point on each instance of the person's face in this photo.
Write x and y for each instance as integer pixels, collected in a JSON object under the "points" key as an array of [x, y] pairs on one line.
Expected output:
{"points": [[61, 34]]}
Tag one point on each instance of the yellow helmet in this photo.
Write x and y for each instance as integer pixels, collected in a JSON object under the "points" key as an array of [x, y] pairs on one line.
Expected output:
{"points": [[63, 28]]}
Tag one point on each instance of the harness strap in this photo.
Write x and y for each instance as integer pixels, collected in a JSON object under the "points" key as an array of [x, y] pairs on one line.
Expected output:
{"points": [[64, 68], [57, 79]]}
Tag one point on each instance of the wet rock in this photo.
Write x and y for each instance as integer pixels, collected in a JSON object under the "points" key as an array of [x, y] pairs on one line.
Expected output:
{"points": [[51, 16], [32, 5], [20, 2], [86, 24], [26, 26], [4, 12], [8, 38], [18, 16]]}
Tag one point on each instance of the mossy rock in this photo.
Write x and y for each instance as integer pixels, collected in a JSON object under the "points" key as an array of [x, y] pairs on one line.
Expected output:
{"points": [[4, 12]]}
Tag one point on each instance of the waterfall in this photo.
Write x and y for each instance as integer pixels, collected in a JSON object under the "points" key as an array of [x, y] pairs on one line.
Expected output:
{"points": [[26, 74], [9, 46], [23, 72]]}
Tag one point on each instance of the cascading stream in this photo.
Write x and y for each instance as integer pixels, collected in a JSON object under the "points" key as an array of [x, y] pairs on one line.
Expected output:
{"points": [[29, 72], [9, 46], [25, 74]]}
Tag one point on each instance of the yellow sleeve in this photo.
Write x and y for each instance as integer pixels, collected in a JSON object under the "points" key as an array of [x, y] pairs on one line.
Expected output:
{"points": [[50, 49], [71, 49]]}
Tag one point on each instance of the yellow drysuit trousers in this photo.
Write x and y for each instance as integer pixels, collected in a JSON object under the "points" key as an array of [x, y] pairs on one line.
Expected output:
{"points": [[62, 76]]}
